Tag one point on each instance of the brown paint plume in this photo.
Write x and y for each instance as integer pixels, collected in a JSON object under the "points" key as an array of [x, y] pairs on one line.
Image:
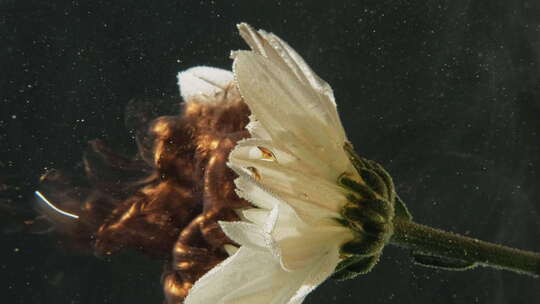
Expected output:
{"points": [[168, 206]]}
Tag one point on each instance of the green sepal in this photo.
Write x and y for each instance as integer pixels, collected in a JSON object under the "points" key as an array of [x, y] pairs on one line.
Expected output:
{"points": [[375, 176], [341, 221], [344, 275], [401, 209], [361, 214], [363, 190], [354, 266], [375, 182], [433, 261], [367, 245], [387, 179], [357, 161], [383, 208]]}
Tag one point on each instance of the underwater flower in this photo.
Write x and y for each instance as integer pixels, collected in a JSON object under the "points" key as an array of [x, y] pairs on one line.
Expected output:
{"points": [[295, 170], [252, 193]]}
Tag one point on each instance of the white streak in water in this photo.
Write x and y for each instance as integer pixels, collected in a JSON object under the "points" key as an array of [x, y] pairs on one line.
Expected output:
{"points": [[46, 201]]}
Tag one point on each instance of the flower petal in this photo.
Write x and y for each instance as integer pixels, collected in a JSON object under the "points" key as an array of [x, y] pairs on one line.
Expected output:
{"points": [[203, 80], [252, 276], [291, 113], [296, 239], [317, 273], [290, 179], [236, 272], [256, 215], [271, 46], [309, 244], [289, 170], [247, 234], [256, 130], [257, 194]]}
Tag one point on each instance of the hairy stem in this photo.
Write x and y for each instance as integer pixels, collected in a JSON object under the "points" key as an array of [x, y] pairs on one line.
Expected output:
{"points": [[438, 243]]}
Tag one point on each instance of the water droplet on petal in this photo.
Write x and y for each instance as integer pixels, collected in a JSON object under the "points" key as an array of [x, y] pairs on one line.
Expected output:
{"points": [[255, 173], [267, 154]]}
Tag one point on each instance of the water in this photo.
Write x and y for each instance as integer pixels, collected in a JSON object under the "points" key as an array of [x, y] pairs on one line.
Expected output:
{"points": [[445, 95]]}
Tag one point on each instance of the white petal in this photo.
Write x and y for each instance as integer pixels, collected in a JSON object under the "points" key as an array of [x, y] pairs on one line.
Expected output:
{"points": [[248, 188], [203, 80], [256, 129], [309, 244], [257, 194], [237, 271], [253, 277], [295, 240], [316, 273], [252, 149], [287, 178], [282, 55], [269, 45], [256, 215], [247, 234], [291, 113], [247, 277], [230, 249], [289, 171]]}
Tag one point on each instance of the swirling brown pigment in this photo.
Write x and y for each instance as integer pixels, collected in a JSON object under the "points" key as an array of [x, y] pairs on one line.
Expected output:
{"points": [[166, 201]]}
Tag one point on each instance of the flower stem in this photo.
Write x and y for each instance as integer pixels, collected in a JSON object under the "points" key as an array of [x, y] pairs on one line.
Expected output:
{"points": [[449, 246]]}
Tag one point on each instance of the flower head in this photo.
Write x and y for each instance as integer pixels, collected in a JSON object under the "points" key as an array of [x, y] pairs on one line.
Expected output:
{"points": [[304, 182]]}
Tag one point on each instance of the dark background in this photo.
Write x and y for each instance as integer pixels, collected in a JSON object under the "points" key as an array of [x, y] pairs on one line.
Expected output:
{"points": [[445, 94]]}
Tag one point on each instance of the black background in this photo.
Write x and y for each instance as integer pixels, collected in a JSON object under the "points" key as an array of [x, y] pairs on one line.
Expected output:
{"points": [[445, 94]]}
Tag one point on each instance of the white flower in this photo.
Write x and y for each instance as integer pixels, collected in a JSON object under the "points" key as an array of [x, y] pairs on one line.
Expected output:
{"points": [[203, 80], [288, 170]]}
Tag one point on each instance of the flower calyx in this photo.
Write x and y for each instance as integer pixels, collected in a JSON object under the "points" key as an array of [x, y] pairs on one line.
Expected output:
{"points": [[369, 213]]}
